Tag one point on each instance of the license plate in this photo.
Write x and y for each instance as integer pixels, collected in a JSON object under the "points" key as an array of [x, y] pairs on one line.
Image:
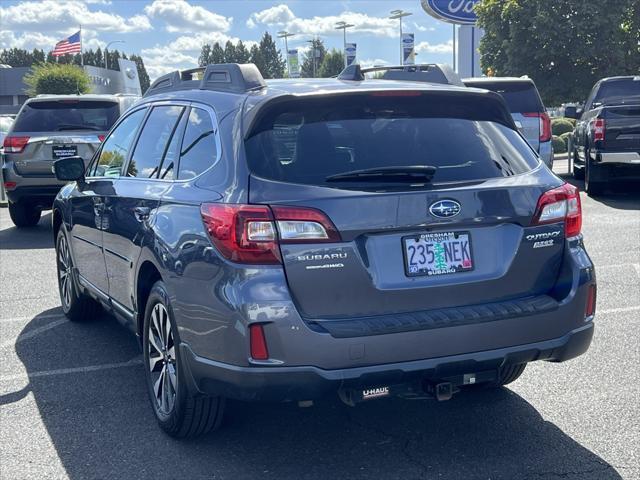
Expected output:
{"points": [[437, 253], [63, 151]]}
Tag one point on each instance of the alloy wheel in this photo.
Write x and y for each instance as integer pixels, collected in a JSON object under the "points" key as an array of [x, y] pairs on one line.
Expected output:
{"points": [[162, 359], [64, 271]]}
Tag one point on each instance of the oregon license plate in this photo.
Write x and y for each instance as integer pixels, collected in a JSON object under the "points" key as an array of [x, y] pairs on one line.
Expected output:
{"points": [[437, 253]]}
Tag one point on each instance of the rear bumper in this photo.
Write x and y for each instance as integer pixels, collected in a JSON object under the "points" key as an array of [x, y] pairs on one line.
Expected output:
{"points": [[277, 383], [627, 158], [39, 189]]}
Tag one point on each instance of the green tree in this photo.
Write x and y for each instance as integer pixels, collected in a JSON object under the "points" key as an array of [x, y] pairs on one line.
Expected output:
{"points": [[217, 54], [229, 52], [143, 76], [56, 79], [565, 46], [332, 64], [242, 54], [205, 53], [272, 63], [16, 57], [257, 58], [307, 66]]}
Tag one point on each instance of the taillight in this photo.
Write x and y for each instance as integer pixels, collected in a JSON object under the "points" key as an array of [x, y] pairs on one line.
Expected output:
{"points": [[10, 185], [590, 307], [304, 225], [14, 144], [558, 204], [545, 124], [101, 138], [257, 342], [598, 128], [251, 233]]}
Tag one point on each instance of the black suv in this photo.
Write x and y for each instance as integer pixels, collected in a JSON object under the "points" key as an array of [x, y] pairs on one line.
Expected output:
{"points": [[282, 240]]}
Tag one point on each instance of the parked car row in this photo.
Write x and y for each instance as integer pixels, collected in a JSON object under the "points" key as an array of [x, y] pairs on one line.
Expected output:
{"points": [[281, 240]]}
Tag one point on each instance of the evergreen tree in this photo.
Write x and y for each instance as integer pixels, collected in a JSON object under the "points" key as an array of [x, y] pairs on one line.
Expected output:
{"points": [[332, 64], [217, 54], [242, 54], [229, 52], [273, 63], [257, 58], [205, 55], [307, 67]]}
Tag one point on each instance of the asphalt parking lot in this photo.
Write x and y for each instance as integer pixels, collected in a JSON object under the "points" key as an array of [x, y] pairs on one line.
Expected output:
{"points": [[73, 403]]}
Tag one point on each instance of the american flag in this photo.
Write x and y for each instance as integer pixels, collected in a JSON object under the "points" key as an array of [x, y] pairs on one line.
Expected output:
{"points": [[68, 45]]}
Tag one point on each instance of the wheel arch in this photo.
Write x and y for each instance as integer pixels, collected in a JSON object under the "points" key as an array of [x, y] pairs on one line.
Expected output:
{"points": [[148, 275]]}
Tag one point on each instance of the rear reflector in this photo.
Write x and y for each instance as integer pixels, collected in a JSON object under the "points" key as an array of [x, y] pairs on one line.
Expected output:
{"points": [[258, 344], [599, 127], [10, 185], [101, 138], [251, 234], [558, 204], [590, 308], [14, 144]]}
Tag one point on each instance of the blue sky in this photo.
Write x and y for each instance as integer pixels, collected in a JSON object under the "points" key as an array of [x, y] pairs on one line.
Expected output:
{"points": [[169, 33]]}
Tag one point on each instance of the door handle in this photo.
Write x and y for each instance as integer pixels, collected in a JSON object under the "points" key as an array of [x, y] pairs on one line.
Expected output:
{"points": [[141, 213]]}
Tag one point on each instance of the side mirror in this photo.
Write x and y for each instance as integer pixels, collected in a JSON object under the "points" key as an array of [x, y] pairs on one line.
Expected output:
{"points": [[69, 169], [571, 112]]}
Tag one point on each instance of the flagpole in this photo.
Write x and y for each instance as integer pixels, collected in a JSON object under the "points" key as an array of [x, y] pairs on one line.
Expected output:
{"points": [[81, 57]]}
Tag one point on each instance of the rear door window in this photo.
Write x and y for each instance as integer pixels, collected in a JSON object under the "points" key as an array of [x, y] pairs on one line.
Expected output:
{"points": [[64, 115], [521, 97], [199, 146], [153, 141], [313, 140], [116, 147]]}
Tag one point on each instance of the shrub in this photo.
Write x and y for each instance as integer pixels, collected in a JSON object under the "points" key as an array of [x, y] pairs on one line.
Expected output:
{"points": [[559, 145], [54, 78], [560, 126]]}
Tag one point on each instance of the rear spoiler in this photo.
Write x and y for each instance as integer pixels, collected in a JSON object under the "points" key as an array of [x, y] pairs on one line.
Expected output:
{"points": [[490, 105]]}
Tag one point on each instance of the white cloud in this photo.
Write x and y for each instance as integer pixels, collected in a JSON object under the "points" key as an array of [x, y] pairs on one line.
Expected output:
{"points": [[182, 52], [427, 47], [181, 16], [53, 16], [98, 2], [28, 40], [422, 28], [281, 16]]}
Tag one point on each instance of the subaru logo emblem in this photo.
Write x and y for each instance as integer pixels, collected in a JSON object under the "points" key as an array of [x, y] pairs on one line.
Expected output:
{"points": [[445, 208]]}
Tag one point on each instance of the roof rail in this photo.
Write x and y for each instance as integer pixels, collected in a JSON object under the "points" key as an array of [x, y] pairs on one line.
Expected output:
{"points": [[426, 72], [220, 77]]}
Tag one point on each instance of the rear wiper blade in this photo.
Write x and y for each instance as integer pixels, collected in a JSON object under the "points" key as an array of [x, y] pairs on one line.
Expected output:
{"points": [[69, 126], [407, 174]]}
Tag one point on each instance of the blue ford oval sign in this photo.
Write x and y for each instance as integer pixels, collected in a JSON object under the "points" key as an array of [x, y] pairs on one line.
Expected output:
{"points": [[452, 11]]}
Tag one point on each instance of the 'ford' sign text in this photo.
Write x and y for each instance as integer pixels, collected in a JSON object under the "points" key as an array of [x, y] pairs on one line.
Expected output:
{"points": [[452, 11]]}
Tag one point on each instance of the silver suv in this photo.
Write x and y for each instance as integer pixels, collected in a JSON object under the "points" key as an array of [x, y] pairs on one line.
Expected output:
{"points": [[47, 128]]}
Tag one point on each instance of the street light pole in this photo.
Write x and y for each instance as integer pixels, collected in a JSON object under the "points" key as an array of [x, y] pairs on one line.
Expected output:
{"points": [[397, 15], [106, 51], [284, 34], [343, 26]]}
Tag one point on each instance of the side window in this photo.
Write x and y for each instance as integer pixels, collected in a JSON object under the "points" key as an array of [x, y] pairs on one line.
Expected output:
{"points": [[199, 150], [116, 146], [153, 141]]}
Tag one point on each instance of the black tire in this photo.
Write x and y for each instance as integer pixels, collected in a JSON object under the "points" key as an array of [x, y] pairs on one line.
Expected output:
{"points": [[592, 188], [76, 305], [508, 374], [24, 214], [179, 413]]}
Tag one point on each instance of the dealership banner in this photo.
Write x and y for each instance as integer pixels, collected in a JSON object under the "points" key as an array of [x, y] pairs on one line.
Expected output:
{"points": [[350, 52], [408, 51], [294, 64]]}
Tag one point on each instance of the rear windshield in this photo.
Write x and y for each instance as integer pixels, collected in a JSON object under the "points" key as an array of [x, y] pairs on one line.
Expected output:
{"points": [[613, 91], [521, 97], [308, 141], [61, 115]]}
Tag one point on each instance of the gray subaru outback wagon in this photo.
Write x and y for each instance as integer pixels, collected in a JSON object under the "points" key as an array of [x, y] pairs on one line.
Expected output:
{"points": [[289, 239]]}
